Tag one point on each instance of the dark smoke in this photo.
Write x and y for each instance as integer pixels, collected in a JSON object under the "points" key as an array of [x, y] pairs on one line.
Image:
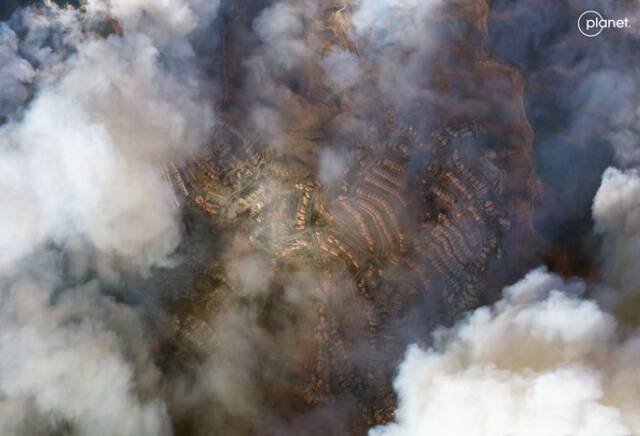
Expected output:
{"points": [[581, 99]]}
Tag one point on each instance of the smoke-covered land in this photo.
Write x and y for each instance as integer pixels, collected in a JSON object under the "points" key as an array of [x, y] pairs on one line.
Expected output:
{"points": [[335, 217]]}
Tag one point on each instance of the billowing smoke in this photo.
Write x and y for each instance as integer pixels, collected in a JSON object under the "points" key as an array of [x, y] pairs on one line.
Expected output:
{"points": [[616, 210], [96, 102], [544, 360], [322, 226], [111, 114], [553, 364]]}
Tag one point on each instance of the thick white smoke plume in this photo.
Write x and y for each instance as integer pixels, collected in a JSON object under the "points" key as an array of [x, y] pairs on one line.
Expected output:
{"points": [[616, 211], [90, 122], [541, 362], [85, 158]]}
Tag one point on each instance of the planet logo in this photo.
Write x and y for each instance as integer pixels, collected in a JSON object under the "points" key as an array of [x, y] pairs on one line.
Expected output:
{"points": [[591, 23]]}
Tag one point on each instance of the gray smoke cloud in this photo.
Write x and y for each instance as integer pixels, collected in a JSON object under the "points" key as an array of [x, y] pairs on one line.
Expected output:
{"points": [[332, 167], [280, 29], [91, 121], [401, 37], [16, 73], [343, 69], [77, 366], [544, 360]]}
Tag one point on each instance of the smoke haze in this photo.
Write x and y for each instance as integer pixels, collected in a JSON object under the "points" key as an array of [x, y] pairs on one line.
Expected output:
{"points": [[233, 217]]}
